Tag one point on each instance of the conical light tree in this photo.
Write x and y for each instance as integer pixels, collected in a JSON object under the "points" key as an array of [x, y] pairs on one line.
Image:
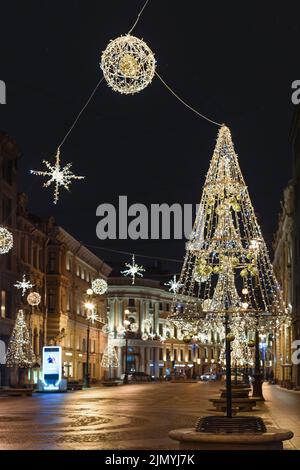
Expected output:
{"points": [[227, 276], [110, 358], [19, 351]]}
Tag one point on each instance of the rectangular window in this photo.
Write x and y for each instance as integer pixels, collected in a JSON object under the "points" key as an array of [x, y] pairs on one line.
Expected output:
{"points": [[52, 262], [182, 355], [68, 263], [160, 306], [160, 354], [167, 354], [190, 355], [175, 354], [3, 303], [51, 300], [131, 302]]}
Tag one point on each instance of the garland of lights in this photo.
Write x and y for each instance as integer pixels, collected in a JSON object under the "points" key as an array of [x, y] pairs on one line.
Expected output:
{"points": [[19, 350], [227, 266]]}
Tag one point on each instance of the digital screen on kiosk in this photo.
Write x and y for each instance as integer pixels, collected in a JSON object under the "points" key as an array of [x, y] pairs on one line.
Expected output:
{"points": [[52, 367]]}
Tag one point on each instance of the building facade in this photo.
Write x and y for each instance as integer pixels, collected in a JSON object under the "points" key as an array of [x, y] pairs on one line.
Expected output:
{"points": [[283, 256], [156, 347], [287, 267], [61, 270]]}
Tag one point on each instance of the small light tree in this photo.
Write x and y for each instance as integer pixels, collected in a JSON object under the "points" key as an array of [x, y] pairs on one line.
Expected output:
{"points": [[19, 351], [109, 358]]}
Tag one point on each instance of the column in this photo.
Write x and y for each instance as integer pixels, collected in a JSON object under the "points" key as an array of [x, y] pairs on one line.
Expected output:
{"points": [[142, 359], [147, 354]]}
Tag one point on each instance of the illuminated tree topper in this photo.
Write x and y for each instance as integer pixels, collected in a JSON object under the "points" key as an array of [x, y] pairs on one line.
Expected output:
{"points": [[59, 176]]}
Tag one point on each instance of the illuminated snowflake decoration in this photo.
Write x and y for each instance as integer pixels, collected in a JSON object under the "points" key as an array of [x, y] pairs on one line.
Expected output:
{"points": [[92, 316], [6, 240], [99, 286], [24, 285], [128, 64], [133, 270], [59, 176], [173, 285]]}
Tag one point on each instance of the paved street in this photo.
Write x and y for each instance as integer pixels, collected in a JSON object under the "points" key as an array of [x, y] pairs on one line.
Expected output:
{"points": [[125, 417]]}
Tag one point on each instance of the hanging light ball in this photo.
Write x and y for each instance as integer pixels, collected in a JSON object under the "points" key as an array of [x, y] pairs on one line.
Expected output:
{"points": [[106, 328], [251, 343], [187, 339], [89, 291], [128, 64], [134, 327], [99, 286], [6, 240], [34, 299], [230, 337], [145, 337]]}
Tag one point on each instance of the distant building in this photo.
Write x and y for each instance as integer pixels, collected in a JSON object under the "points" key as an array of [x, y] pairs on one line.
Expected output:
{"points": [[147, 304], [283, 256], [60, 268], [295, 140], [287, 267]]}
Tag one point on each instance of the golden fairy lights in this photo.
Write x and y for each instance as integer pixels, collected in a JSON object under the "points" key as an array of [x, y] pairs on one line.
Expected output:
{"points": [[6, 240], [128, 64], [227, 266]]}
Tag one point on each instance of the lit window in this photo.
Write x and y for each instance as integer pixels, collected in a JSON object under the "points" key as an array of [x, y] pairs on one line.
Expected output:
{"points": [[3, 303]]}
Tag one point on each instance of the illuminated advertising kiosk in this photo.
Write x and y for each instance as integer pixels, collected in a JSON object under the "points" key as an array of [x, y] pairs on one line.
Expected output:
{"points": [[52, 368]]}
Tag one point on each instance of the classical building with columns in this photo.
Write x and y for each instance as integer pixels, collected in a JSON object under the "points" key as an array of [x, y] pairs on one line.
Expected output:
{"points": [[155, 347]]}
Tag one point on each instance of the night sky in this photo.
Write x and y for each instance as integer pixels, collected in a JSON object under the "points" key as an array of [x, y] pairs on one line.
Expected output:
{"points": [[234, 61]]}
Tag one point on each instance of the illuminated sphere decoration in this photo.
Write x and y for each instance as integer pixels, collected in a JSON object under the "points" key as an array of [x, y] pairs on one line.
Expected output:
{"points": [[34, 299], [128, 64], [6, 240], [99, 286]]}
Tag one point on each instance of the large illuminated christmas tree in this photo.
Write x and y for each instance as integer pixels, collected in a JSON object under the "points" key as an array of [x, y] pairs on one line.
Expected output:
{"points": [[227, 279], [19, 351]]}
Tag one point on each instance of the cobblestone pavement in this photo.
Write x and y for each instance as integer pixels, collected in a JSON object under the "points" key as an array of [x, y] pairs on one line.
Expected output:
{"points": [[125, 417]]}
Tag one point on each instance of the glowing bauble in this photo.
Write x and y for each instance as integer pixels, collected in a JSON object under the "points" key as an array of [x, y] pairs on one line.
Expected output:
{"points": [[34, 299], [230, 337], [106, 328], [251, 343], [144, 336], [99, 286], [6, 240], [128, 64], [89, 292], [187, 339], [134, 327]]}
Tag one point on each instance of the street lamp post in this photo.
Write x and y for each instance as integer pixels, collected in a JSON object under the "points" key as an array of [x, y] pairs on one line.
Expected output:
{"points": [[90, 317], [126, 326], [258, 381]]}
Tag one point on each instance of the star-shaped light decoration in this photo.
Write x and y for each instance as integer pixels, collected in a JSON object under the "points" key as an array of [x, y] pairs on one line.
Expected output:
{"points": [[173, 285], [24, 285], [92, 316], [133, 270], [59, 176]]}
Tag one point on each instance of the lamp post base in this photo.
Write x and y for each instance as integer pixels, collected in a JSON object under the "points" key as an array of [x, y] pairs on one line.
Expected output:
{"points": [[257, 392]]}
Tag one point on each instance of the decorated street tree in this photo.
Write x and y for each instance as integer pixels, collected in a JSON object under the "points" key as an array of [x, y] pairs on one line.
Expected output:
{"points": [[19, 351], [227, 280], [109, 358]]}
